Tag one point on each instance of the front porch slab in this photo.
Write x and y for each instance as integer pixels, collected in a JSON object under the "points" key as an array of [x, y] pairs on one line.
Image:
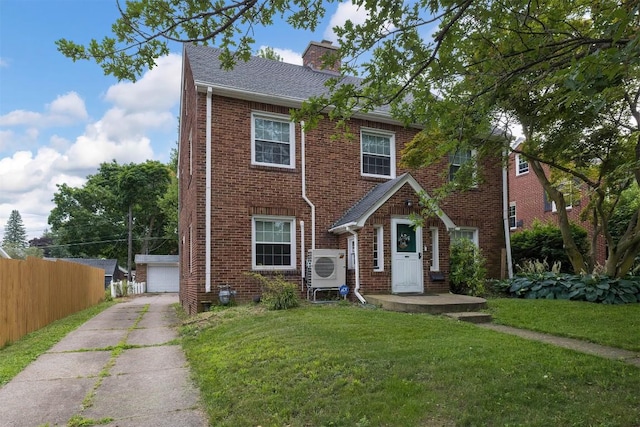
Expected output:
{"points": [[428, 303]]}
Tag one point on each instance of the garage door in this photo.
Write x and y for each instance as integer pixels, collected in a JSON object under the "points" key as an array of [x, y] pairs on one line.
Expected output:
{"points": [[163, 278]]}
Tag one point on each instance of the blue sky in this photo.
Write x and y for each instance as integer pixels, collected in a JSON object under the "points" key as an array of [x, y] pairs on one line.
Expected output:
{"points": [[59, 119]]}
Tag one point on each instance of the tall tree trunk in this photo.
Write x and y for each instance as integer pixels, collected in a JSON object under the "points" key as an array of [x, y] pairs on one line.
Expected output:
{"points": [[575, 256]]}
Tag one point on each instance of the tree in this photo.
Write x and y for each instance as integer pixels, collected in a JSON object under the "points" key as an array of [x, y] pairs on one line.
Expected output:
{"points": [[15, 235], [566, 71], [269, 53], [93, 220]]}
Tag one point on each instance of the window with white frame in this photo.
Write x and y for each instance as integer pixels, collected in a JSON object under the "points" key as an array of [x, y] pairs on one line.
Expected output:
{"points": [[378, 249], [191, 250], [512, 215], [457, 159], [274, 243], [190, 151], [351, 253], [435, 250], [470, 233], [522, 165], [378, 153], [567, 189], [273, 140]]}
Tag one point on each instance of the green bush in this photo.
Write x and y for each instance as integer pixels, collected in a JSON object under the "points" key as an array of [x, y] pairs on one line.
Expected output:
{"points": [[590, 287], [468, 273], [277, 293], [543, 242]]}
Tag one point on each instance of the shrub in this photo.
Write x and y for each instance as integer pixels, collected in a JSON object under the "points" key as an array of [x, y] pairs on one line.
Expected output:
{"points": [[590, 287], [277, 293], [543, 242], [468, 273]]}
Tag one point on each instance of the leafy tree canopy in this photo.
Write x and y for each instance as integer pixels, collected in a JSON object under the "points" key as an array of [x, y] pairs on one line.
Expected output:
{"points": [[566, 71], [92, 220]]}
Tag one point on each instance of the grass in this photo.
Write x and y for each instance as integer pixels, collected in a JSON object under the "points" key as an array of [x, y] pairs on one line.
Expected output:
{"points": [[611, 325], [349, 366], [16, 356]]}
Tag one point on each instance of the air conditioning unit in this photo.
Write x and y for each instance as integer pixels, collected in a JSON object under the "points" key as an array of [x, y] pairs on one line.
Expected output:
{"points": [[326, 268]]}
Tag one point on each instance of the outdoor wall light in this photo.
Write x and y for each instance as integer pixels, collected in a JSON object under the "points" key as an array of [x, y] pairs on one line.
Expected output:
{"points": [[408, 203]]}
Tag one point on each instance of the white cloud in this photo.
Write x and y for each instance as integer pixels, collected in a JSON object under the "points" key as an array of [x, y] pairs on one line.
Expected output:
{"points": [[158, 89], [65, 110], [28, 178], [289, 56], [346, 11], [4, 63]]}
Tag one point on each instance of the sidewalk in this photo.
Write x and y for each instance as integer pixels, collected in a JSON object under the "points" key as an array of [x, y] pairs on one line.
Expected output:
{"points": [[146, 384], [627, 356]]}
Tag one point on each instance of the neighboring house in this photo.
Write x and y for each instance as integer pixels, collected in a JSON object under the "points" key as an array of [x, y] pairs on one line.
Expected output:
{"points": [[529, 202], [112, 272], [160, 272], [257, 191]]}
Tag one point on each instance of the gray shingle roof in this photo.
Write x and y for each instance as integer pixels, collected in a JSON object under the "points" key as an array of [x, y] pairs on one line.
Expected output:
{"points": [[355, 212], [261, 76], [108, 265]]}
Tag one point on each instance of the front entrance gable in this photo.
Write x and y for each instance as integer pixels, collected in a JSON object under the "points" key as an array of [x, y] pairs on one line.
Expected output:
{"points": [[357, 215]]}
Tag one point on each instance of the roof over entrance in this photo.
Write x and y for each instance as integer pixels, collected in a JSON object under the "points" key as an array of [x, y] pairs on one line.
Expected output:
{"points": [[357, 215]]}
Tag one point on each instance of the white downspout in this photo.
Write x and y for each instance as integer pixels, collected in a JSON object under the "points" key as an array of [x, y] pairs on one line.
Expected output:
{"points": [[505, 213], [303, 160], [207, 269], [302, 257], [356, 254]]}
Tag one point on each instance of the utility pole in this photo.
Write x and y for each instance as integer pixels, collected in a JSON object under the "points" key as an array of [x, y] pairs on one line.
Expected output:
{"points": [[129, 243]]}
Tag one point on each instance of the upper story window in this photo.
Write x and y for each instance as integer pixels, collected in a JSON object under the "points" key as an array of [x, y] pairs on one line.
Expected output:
{"points": [[522, 165], [272, 140], [457, 159], [378, 153], [274, 243]]}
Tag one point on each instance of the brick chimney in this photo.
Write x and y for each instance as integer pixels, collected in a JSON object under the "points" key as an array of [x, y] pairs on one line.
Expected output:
{"points": [[313, 56]]}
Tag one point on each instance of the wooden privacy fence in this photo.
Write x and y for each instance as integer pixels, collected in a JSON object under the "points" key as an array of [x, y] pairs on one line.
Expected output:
{"points": [[35, 292]]}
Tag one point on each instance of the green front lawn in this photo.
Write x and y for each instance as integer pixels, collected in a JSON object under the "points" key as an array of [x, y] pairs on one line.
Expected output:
{"points": [[349, 366], [611, 325]]}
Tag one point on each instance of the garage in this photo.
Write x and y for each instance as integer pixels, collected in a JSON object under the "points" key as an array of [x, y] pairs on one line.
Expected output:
{"points": [[160, 272]]}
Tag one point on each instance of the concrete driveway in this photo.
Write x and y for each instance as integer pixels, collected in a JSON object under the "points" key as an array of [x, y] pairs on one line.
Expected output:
{"points": [[142, 382]]}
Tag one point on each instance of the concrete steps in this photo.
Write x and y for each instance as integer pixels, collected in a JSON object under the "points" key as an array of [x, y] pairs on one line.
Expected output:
{"points": [[470, 316]]}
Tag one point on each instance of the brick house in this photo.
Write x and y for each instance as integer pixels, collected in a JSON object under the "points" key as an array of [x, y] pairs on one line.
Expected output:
{"points": [[257, 191], [528, 201]]}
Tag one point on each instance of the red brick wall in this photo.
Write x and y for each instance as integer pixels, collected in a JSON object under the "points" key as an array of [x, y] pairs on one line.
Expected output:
{"points": [[141, 273], [334, 183], [528, 194]]}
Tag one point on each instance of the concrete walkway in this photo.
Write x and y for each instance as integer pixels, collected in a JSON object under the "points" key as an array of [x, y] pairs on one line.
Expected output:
{"points": [[144, 382], [627, 356]]}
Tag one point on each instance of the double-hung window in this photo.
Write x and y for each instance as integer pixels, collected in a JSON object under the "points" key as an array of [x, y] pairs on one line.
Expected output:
{"points": [[470, 233], [457, 159], [512, 215], [274, 243], [522, 165], [378, 153], [273, 140]]}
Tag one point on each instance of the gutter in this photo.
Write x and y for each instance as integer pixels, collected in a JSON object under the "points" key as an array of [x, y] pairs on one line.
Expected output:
{"points": [[207, 271], [356, 290], [505, 214]]}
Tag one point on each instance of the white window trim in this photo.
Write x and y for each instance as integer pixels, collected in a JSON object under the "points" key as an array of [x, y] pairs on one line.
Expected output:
{"points": [[475, 233], [392, 151], [379, 229], [474, 159], [435, 249], [292, 220], [351, 253], [190, 152], [515, 215], [190, 248], [518, 173], [292, 140]]}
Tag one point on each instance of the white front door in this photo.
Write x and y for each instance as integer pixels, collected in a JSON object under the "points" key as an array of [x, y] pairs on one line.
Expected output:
{"points": [[406, 257]]}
